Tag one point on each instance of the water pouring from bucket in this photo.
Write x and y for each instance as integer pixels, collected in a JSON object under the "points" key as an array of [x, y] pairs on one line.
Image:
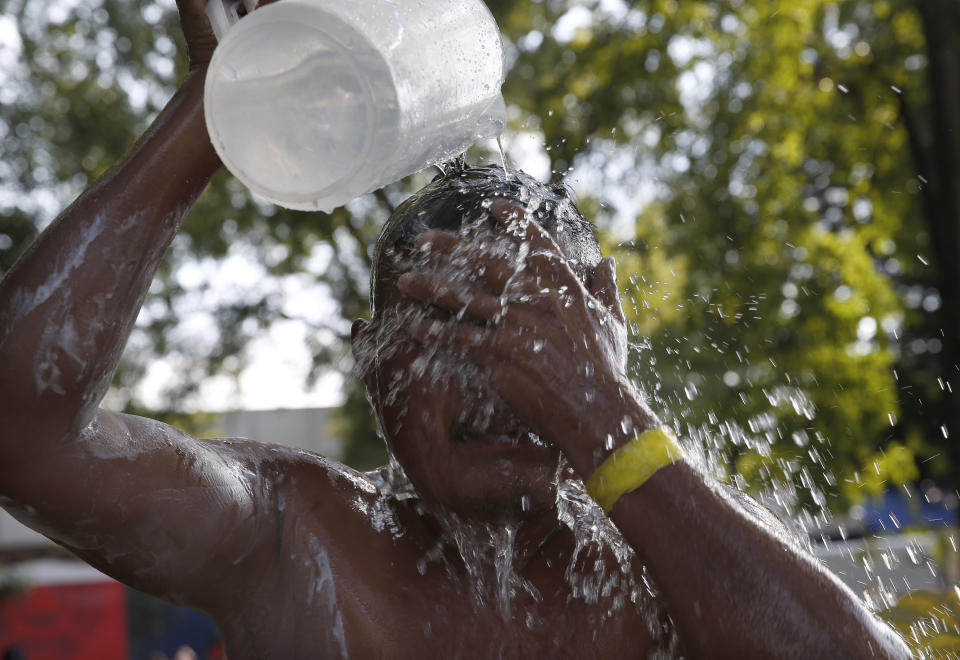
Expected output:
{"points": [[311, 103]]}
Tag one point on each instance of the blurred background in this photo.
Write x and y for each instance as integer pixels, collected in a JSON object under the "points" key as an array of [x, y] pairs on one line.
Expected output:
{"points": [[779, 182]]}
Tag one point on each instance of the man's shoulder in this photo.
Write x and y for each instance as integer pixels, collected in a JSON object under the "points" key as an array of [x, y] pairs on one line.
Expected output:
{"points": [[295, 469], [312, 499], [330, 512], [309, 473]]}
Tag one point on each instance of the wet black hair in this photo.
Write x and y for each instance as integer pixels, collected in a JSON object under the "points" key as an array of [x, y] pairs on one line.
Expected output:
{"points": [[457, 195]]}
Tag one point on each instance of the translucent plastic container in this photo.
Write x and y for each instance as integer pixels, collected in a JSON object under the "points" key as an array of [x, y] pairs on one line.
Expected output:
{"points": [[311, 103]]}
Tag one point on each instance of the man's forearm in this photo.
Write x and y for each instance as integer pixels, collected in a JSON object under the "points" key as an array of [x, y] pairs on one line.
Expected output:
{"points": [[734, 586], [67, 307]]}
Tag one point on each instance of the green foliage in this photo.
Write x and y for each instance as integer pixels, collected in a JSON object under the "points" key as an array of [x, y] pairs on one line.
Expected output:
{"points": [[767, 285], [929, 621], [757, 157]]}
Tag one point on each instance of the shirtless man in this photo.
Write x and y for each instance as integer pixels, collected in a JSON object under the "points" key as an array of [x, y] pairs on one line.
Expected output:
{"points": [[504, 323]]}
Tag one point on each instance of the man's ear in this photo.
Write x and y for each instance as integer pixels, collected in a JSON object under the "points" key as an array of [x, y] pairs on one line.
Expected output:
{"points": [[603, 286], [363, 344]]}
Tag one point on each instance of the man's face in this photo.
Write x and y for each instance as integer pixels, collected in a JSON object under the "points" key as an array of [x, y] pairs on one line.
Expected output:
{"points": [[458, 441]]}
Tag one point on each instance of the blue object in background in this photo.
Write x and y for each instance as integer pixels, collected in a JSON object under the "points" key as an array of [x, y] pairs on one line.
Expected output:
{"points": [[910, 506], [158, 626]]}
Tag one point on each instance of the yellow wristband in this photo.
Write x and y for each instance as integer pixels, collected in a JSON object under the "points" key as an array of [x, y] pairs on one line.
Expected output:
{"points": [[629, 467]]}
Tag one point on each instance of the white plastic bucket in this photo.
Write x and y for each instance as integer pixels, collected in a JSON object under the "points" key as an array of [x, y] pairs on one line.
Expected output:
{"points": [[311, 103]]}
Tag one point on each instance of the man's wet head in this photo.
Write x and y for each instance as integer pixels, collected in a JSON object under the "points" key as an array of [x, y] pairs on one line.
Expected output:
{"points": [[463, 195], [441, 415]]}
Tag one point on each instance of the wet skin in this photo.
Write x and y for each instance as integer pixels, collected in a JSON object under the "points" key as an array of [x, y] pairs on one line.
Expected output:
{"points": [[290, 554]]}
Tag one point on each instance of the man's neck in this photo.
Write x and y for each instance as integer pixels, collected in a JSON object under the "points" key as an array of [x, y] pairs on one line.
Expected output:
{"points": [[527, 538]]}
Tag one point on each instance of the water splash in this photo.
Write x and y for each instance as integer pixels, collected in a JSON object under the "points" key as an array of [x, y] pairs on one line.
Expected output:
{"points": [[602, 567], [601, 570], [595, 534], [503, 159]]}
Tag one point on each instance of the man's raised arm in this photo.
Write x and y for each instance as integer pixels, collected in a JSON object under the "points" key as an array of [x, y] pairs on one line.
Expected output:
{"points": [[140, 500], [68, 305]]}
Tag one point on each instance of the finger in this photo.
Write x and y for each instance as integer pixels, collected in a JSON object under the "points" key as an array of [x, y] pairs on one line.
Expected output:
{"points": [[454, 296], [192, 7], [199, 36], [513, 217], [545, 257], [491, 262], [435, 240], [482, 345], [556, 270], [454, 337], [603, 286]]}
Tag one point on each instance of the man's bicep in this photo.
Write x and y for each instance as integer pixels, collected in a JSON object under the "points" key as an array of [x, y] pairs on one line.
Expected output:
{"points": [[152, 506]]}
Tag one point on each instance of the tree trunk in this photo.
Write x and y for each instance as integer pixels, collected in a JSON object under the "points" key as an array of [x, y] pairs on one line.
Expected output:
{"points": [[941, 22]]}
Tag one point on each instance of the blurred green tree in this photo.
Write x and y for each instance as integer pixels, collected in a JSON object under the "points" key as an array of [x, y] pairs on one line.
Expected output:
{"points": [[778, 181], [794, 279]]}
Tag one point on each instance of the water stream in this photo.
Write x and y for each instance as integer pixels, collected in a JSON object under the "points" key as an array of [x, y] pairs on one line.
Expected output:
{"points": [[600, 570]]}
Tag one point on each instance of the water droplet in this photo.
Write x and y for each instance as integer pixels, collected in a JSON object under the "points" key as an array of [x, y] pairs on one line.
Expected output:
{"points": [[503, 159]]}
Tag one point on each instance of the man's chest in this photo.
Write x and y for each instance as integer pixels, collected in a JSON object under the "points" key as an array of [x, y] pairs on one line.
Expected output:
{"points": [[390, 613]]}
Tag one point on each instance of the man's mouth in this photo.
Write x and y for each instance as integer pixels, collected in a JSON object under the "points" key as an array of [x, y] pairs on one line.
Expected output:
{"points": [[486, 422], [503, 438]]}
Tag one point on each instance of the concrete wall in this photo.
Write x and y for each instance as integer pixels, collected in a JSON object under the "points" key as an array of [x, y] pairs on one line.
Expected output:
{"points": [[900, 562], [306, 428], [15, 535]]}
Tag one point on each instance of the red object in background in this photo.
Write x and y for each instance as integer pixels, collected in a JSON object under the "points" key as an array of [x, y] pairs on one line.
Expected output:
{"points": [[71, 622], [218, 652]]}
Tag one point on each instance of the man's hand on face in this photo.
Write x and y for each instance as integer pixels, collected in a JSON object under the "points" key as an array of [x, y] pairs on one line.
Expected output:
{"points": [[556, 349]]}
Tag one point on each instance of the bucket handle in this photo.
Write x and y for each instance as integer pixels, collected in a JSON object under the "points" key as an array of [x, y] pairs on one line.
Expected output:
{"points": [[225, 13]]}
